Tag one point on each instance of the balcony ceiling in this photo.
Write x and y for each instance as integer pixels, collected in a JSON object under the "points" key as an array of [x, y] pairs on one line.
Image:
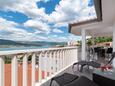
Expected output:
{"points": [[102, 28]]}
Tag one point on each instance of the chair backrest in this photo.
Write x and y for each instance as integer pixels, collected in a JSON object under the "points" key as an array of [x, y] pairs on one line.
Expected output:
{"points": [[112, 57], [97, 49], [109, 50], [94, 64]]}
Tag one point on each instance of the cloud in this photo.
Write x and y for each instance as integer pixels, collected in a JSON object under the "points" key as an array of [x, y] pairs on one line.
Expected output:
{"points": [[62, 38], [28, 7], [70, 10], [4, 23], [10, 31], [39, 25], [7, 3], [67, 11], [45, 0], [57, 30]]}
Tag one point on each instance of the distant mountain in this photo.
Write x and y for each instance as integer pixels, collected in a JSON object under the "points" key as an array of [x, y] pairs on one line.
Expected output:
{"points": [[7, 42], [28, 43], [43, 43]]}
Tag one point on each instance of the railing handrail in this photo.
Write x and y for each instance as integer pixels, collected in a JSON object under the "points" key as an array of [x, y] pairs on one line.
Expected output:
{"points": [[13, 52]]}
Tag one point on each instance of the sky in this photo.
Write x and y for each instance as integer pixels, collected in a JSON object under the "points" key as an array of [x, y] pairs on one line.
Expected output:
{"points": [[42, 20]]}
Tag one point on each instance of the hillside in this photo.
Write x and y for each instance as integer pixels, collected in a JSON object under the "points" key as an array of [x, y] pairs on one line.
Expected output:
{"points": [[28, 43]]}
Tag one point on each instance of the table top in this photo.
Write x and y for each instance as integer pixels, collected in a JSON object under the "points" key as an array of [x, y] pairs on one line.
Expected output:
{"points": [[108, 74]]}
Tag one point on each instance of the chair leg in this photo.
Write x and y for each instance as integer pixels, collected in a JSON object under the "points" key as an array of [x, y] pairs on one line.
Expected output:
{"points": [[81, 68], [51, 82], [74, 65]]}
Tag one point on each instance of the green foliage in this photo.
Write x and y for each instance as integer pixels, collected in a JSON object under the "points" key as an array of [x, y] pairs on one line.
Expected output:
{"points": [[30, 58], [103, 39], [79, 42], [89, 42], [7, 60], [98, 40]]}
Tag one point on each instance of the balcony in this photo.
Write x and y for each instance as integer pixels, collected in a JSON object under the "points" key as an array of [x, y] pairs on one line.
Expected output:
{"points": [[34, 67]]}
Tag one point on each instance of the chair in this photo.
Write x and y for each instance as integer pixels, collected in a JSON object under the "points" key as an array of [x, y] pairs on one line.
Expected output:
{"points": [[97, 50], [82, 81], [102, 53], [112, 57], [64, 79], [109, 52], [81, 63], [87, 63], [94, 64]]}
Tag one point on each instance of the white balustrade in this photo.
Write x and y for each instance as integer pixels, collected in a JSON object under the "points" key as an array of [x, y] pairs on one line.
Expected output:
{"points": [[49, 62]]}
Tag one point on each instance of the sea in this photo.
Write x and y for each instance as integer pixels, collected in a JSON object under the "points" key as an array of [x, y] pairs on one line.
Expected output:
{"points": [[24, 48]]}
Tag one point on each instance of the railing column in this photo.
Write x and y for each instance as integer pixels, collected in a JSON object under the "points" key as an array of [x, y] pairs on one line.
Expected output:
{"points": [[33, 69], [25, 72], [58, 60], [70, 56], [1, 71], [40, 67], [66, 57], [54, 62], [75, 55], [64, 54], [63, 58], [14, 71], [45, 58], [50, 63]]}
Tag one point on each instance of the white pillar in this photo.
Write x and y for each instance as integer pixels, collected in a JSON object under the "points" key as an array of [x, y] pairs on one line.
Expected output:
{"points": [[113, 62], [83, 44], [113, 40]]}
